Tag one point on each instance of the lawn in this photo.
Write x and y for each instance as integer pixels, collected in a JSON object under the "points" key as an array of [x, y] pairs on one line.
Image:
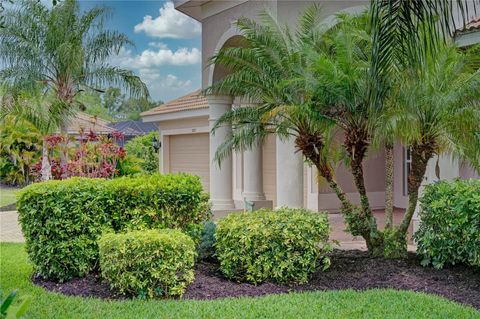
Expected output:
{"points": [[7, 196], [15, 274]]}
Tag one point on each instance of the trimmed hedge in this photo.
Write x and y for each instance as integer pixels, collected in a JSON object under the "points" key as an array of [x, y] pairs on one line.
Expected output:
{"points": [[285, 245], [148, 263], [449, 231], [62, 220]]}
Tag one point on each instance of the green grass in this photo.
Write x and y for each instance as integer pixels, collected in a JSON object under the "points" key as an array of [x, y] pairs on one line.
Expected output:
{"points": [[7, 196], [15, 273]]}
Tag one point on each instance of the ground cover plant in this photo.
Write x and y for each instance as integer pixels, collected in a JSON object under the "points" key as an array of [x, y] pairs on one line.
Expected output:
{"points": [[62, 220], [16, 274]]}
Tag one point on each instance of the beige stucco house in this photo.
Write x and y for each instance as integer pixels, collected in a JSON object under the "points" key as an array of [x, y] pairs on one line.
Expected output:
{"points": [[271, 175]]}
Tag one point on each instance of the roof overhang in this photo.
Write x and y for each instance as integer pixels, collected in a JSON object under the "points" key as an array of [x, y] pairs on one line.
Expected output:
{"points": [[192, 8], [186, 114]]}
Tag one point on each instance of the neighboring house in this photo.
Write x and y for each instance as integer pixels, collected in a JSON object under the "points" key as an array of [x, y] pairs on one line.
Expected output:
{"points": [[86, 123], [271, 175], [132, 129]]}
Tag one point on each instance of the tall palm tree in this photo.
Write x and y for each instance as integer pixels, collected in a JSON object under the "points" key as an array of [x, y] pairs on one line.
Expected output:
{"points": [[62, 49], [435, 109]]}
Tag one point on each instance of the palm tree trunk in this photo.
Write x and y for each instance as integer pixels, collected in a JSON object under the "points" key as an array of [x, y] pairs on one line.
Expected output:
{"points": [[63, 146], [421, 154], [46, 169], [389, 163]]}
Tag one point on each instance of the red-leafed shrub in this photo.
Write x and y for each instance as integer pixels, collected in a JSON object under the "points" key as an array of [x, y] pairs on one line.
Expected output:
{"points": [[91, 155]]}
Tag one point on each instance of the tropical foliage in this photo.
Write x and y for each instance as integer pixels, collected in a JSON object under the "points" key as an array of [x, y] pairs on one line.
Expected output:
{"points": [[62, 52], [314, 84], [145, 148], [19, 142]]}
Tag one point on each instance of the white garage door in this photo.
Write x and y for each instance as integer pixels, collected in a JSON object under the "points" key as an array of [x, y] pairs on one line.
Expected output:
{"points": [[189, 154]]}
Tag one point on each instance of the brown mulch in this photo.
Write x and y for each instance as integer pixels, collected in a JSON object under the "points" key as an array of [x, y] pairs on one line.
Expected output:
{"points": [[350, 270]]}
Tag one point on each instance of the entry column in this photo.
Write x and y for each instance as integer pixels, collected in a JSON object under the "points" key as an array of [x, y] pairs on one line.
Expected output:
{"points": [[221, 187]]}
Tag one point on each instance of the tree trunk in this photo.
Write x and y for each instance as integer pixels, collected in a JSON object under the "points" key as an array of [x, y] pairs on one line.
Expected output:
{"points": [[396, 238], [389, 163], [311, 146], [46, 170], [63, 147]]}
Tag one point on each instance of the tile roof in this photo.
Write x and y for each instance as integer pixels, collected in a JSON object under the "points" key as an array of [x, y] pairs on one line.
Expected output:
{"points": [[191, 101], [87, 122], [133, 127], [471, 26]]}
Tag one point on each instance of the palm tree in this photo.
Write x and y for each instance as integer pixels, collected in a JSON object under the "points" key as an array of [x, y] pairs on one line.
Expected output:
{"points": [[63, 50], [311, 84], [435, 109]]}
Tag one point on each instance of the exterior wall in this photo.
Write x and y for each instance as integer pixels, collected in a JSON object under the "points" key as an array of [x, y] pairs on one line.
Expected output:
{"points": [[400, 199], [467, 172]]}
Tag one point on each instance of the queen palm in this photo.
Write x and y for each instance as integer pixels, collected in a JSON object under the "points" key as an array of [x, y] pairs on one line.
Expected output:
{"points": [[63, 50]]}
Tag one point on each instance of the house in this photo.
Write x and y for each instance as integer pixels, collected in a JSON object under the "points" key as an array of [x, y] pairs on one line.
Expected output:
{"points": [[132, 129], [273, 174], [86, 123]]}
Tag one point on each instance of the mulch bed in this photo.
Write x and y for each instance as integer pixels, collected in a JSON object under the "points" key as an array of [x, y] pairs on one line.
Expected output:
{"points": [[350, 270]]}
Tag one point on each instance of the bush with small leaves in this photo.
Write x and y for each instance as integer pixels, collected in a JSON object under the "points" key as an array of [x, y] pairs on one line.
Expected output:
{"points": [[62, 220], [449, 231], [284, 245], [149, 263]]}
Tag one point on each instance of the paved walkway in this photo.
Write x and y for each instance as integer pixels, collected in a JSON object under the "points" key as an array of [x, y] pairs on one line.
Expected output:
{"points": [[10, 230], [9, 227]]}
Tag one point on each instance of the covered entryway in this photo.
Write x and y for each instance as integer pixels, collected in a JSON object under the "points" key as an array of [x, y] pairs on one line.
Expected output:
{"points": [[189, 153]]}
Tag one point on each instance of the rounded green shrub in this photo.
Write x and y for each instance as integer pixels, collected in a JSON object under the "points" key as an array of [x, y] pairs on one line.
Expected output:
{"points": [[62, 220], [449, 231], [285, 245], [148, 263]]}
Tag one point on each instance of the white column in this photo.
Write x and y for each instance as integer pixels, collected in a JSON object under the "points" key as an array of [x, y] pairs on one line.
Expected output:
{"points": [[253, 174], [221, 185], [289, 174]]}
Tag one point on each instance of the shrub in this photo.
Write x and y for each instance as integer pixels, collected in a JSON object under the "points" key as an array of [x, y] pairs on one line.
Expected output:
{"points": [[449, 230], [144, 148], [285, 245], [62, 220], [151, 263], [205, 246]]}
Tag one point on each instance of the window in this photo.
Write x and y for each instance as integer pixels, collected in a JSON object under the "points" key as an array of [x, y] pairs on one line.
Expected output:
{"points": [[407, 165]]}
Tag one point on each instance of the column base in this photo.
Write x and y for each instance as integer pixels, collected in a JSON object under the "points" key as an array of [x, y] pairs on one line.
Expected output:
{"points": [[222, 204], [258, 204]]}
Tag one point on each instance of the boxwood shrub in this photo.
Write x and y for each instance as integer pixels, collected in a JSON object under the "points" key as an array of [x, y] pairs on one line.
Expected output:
{"points": [[285, 245], [148, 263], [62, 220], [449, 231]]}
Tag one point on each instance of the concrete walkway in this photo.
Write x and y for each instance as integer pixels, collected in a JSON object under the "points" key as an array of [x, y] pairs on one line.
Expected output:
{"points": [[9, 228]]}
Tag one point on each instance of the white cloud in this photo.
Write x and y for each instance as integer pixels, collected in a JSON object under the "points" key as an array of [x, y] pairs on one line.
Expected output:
{"points": [[156, 58], [158, 45], [169, 24], [171, 81]]}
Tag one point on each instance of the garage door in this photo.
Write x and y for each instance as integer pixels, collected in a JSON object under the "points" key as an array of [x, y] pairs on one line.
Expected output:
{"points": [[189, 153]]}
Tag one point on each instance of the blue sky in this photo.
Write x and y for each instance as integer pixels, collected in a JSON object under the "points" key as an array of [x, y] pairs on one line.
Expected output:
{"points": [[167, 52]]}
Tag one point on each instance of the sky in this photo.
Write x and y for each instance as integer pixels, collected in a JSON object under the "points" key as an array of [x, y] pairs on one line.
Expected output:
{"points": [[167, 52]]}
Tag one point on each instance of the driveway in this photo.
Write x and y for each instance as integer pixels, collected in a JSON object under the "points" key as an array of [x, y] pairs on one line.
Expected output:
{"points": [[9, 228]]}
